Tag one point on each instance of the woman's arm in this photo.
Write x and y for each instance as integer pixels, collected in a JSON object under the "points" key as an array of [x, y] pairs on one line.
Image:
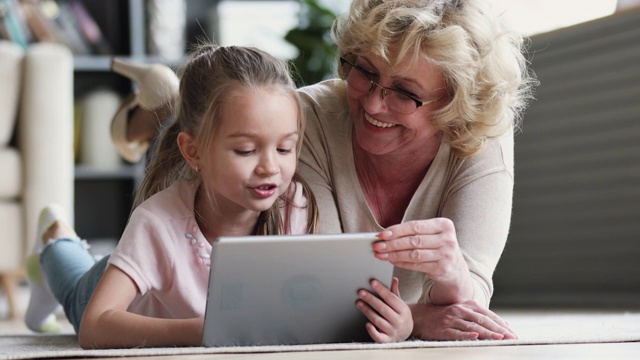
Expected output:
{"points": [[460, 251], [107, 324]]}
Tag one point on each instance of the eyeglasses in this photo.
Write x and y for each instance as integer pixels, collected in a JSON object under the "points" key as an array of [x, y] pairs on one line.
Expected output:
{"points": [[396, 100]]}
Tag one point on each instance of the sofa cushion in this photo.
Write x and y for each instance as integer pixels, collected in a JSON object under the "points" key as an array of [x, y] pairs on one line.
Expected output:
{"points": [[11, 179], [11, 223], [11, 59]]}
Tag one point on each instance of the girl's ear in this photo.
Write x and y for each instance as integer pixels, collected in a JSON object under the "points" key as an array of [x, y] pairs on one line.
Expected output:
{"points": [[189, 149]]}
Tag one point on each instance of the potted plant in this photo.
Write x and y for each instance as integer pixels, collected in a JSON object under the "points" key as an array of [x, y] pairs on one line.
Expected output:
{"points": [[316, 51]]}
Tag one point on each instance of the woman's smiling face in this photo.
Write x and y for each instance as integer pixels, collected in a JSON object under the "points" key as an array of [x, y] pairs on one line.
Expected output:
{"points": [[378, 129]]}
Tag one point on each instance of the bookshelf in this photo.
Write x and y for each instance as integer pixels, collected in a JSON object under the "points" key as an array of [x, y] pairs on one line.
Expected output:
{"points": [[103, 197]]}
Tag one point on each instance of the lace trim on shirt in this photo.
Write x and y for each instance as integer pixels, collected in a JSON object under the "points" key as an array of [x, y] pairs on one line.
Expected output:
{"points": [[198, 245]]}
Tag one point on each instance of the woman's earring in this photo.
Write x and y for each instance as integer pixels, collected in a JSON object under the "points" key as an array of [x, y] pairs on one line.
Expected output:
{"points": [[197, 169]]}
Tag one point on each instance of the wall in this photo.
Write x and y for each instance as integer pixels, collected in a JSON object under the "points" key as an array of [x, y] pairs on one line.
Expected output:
{"points": [[575, 235]]}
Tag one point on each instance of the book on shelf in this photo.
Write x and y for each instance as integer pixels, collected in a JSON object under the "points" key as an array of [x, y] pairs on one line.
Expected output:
{"points": [[42, 27], [12, 23], [89, 28], [64, 22]]}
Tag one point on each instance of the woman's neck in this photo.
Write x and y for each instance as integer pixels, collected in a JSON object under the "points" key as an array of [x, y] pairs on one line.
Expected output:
{"points": [[398, 167], [390, 181]]}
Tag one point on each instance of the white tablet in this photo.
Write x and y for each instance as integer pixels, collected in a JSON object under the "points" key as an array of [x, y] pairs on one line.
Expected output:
{"points": [[284, 290]]}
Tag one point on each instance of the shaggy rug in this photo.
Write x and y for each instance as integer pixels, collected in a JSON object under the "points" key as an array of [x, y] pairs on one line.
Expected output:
{"points": [[532, 327]]}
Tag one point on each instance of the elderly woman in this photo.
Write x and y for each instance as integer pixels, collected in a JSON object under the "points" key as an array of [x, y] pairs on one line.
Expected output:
{"points": [[415, 141]]}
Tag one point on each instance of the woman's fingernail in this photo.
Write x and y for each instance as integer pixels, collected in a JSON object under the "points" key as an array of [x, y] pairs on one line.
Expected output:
{"points": [[380, 245], [386, 233], [382, 256]]}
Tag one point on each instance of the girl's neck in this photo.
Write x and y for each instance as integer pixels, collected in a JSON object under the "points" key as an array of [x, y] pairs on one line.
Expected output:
{"points": [[214, 222]]}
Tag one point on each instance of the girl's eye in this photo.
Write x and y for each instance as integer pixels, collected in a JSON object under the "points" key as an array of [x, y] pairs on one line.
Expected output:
{"points": [[243, 152], [285, 151]]}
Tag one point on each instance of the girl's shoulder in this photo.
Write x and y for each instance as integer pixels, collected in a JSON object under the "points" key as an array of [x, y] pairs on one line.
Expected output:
{"points": [[175, 201]]}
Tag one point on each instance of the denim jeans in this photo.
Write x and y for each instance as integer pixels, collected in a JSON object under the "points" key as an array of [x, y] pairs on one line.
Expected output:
{"points": [[72, 274]]}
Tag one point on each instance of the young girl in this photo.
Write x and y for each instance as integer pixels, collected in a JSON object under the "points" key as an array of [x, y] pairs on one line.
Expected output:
{"points": [[226, 166]]}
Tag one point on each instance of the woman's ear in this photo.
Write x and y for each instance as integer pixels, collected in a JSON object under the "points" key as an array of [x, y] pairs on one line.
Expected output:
{"points": [[189, 149]]}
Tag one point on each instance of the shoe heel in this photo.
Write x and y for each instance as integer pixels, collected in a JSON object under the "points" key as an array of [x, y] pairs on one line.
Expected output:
{"points": [[157, 83]]}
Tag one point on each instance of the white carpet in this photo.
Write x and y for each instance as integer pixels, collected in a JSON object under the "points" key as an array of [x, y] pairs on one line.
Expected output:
{"points": [[533, 328]]}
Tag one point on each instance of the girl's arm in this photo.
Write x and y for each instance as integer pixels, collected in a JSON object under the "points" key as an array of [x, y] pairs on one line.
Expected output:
{"points": [[107, 324]]}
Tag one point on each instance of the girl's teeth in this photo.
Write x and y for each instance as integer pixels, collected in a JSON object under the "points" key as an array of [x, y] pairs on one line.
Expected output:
{"points": [[377, 123]]}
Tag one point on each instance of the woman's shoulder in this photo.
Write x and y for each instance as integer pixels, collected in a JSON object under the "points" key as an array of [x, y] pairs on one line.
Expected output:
{"points": [[326, 111], [325, 93], [495, 155]]}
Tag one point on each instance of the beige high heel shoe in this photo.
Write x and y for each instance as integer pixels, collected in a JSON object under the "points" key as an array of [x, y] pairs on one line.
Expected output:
{"points": [[157, 86]]}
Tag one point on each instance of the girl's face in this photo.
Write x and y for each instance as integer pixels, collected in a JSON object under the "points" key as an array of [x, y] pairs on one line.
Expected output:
{"points": [[252, 157], [380, 130]]}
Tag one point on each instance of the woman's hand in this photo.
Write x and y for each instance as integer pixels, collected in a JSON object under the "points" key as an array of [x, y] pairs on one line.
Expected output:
{"points": [[429, 246], [389, 316], [464, 321]]}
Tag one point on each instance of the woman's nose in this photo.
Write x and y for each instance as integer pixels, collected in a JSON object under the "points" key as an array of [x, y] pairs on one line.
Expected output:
{"points": [[373, 101]]}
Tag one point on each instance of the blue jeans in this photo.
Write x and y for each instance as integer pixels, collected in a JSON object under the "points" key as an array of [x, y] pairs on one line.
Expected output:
{"points": [[72, 274]]}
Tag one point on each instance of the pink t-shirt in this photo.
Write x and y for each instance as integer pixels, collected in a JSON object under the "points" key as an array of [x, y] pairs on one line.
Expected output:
{"points": [[163, 251]]}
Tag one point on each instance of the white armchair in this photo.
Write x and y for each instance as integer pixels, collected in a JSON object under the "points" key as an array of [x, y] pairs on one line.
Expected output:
{"points": [[36, 148]]}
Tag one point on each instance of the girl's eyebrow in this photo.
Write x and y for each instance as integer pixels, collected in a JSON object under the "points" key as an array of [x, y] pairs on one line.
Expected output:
{"points": [[250, 134]]}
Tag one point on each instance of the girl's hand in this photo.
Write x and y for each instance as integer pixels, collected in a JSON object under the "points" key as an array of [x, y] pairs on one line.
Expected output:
{"points": [[429, 246], [464, 321], [389, 316]]}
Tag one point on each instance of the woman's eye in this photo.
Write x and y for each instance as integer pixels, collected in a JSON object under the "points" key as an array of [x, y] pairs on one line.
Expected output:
{"points": [[371, 74], [285, 151], [405, 92]]}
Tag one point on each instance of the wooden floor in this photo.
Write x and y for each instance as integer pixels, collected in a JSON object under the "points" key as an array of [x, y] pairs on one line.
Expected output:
{"points": [[572, 351]]}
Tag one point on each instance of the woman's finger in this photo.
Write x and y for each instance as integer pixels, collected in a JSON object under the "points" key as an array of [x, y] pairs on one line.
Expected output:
{"points": [[498, 324], [418, 241], [486, 323], [417, 227], [411, 256]]}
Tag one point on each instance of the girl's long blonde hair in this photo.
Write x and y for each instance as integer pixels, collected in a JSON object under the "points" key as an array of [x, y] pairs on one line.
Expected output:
{"points": [[209, 75]]}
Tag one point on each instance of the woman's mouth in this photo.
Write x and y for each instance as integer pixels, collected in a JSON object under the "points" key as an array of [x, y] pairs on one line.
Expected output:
{"points": [[377, 123]]}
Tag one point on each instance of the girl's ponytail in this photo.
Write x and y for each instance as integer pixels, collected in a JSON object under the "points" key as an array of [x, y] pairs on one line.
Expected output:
{"points": [[167, 165]]}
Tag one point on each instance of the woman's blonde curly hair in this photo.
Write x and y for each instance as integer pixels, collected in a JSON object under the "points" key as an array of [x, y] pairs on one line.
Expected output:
{"points": [[483, 64]]}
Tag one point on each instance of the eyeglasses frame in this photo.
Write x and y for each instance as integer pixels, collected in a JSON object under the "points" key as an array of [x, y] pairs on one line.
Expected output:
{"points": [[383, 89]]}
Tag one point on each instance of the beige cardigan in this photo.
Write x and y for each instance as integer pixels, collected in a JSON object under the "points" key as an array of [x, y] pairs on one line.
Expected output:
{"points": [[475, 193]]}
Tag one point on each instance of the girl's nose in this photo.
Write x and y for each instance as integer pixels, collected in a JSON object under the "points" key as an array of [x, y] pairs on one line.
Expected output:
{"points": [[267, 166]]}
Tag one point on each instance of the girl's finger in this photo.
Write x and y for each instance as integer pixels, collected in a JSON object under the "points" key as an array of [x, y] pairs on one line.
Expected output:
{"points": [[389, 302], [374, 317], [395, 286]]}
